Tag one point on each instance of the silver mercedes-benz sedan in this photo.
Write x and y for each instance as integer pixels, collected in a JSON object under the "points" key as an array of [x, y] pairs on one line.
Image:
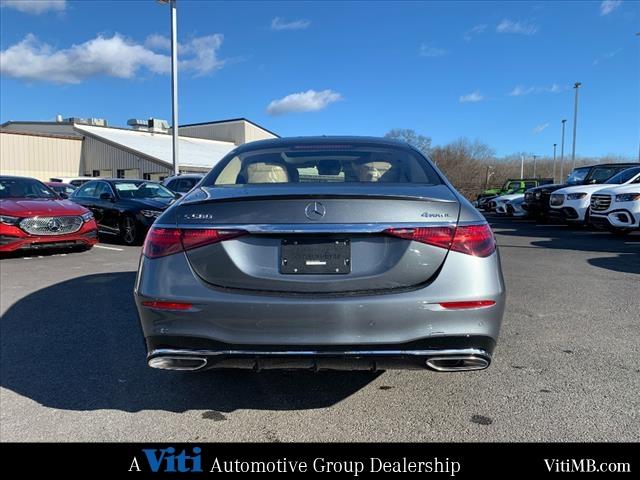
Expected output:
{"points": [[321, 252]]}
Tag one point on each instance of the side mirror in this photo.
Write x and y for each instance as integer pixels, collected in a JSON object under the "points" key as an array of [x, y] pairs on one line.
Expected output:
{"points": [[63, 195], [106, 196]]}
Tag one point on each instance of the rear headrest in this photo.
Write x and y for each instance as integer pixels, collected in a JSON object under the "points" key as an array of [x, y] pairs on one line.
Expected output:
{"points": [[263, 172]]}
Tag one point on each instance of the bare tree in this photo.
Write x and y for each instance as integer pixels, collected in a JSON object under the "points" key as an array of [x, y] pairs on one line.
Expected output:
{"points": [[414, 139], [471, 165]]}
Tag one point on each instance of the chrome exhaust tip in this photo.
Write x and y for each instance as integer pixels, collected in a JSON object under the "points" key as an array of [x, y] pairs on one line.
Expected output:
{"points": [[457, 363], [177, 363]]}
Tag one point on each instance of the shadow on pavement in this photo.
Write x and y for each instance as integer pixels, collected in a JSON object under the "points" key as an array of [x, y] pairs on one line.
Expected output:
{"points": [[77, 345], [626, 249]]}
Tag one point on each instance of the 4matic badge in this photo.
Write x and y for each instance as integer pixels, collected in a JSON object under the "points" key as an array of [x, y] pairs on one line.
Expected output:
{"points": [[435, 215]]}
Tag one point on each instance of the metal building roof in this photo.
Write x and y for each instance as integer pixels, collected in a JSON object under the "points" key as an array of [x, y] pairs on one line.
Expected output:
{"points": [[192, 152]]}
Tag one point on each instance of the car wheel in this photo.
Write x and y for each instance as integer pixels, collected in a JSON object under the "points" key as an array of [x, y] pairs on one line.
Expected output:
{"points": [[129, 231]]}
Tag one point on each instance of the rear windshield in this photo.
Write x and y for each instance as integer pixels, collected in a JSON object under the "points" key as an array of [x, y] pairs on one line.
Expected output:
{"points": [[326, 164]]}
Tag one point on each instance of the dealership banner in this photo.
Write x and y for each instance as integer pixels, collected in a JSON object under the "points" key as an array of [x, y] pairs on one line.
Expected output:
{"points": [[457, 460]]}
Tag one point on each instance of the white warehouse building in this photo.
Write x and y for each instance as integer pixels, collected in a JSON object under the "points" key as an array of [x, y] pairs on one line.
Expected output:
{"points": [[88, 147]]}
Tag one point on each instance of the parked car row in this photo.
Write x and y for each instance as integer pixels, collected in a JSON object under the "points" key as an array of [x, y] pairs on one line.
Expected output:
{"points": [[510, 189], [57, 214], [606, 196]]}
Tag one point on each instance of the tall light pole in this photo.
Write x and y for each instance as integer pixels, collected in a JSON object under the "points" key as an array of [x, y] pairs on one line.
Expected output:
{"points": [[554, 162], [521, 166], [576, 86], [534, 165], [174, 80], [564, 121]]}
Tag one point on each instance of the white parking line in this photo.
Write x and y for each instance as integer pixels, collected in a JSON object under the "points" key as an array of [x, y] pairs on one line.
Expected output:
{"points": [[109, 248]]}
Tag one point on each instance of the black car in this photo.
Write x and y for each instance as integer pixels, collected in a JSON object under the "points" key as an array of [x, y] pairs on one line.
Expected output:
{"points": [[123, 207], [536, 200]]}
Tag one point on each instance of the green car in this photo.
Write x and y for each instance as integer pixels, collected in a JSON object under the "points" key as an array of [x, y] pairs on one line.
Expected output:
{"points": [[512, 185]]}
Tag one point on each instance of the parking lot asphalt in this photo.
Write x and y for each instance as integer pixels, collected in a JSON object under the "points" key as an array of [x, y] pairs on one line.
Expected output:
{"points": [[565, 369]]}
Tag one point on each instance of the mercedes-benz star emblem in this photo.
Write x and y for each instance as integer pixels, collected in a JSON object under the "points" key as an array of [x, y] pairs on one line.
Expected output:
{"points": [[54, 225], [315, 211]]}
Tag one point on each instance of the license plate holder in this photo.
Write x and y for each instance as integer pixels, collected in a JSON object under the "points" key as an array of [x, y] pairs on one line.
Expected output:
{"points": [[312, 256]]}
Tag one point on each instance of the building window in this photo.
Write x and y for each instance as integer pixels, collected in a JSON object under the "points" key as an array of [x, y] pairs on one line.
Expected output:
{"points": [[95, 173], [146, 176], [120, 173]]}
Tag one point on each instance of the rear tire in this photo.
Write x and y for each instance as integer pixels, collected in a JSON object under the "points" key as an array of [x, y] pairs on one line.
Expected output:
{"points": [[130, 231]]}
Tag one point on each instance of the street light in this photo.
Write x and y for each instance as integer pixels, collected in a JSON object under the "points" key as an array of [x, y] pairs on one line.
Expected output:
{"points": [[174, 79], [576, 86], [564, 121], [554, 162], [534, 165]]}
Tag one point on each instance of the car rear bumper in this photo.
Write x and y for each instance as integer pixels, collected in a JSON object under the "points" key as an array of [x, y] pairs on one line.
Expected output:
{"points": [[439, 354], [14, 239], [235, 318]]}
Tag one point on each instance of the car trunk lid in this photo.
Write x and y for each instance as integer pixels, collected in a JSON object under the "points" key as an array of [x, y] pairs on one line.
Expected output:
{"points": [[318, 239]]}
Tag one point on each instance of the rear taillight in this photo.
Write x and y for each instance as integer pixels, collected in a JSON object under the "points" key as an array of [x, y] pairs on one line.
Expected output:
{"points": [[161, 242], [437, 236], [467, 305], [167, 305], [476, 240]]}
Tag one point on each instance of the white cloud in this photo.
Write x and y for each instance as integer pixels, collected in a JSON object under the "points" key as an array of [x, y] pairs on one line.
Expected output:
{"points": [[473, 97], [609, 6], [539, 128], [510, 26], [113, 56], [427, 50], [155, 41], [204, 54], [606, 56], [280, 24], [520, 90], [35, 7], [476, 30], [309, 101]]}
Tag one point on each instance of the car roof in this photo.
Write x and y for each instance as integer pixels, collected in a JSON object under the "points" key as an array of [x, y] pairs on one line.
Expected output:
{"points": [[618, 164], [114, 180], [319, 140], [185, 175]]}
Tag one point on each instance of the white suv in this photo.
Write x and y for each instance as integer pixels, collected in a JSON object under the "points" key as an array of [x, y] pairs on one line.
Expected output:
{"points": [[571, 204], [617, 208]]}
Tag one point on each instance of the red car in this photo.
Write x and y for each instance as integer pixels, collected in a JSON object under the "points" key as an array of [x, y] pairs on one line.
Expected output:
{"points": [[33, 216]]}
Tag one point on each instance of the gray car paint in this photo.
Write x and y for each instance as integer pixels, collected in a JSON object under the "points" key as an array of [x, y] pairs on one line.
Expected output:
{"points": [[239, 298]]}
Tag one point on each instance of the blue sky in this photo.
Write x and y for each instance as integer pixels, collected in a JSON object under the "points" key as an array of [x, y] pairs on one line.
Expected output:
{"points": [[501, 72]]}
